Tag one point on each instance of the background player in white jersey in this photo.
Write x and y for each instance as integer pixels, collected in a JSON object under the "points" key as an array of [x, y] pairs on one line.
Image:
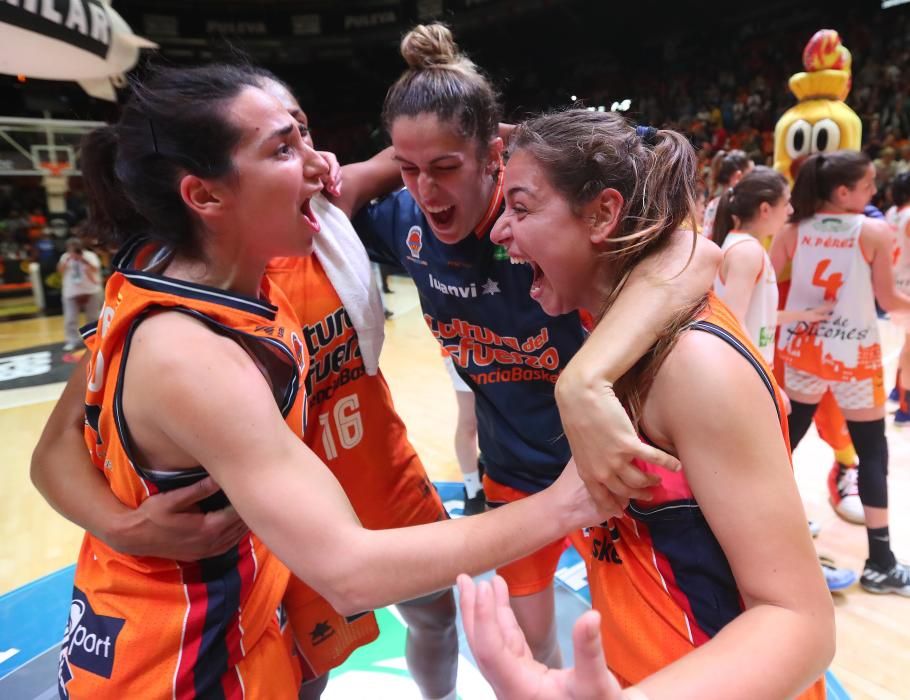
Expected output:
{"points": [[748, 216], [841, 256], [727, 169], [900, 192]]}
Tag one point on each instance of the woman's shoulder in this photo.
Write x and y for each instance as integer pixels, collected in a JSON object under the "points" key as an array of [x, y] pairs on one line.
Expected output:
{"points": [[704, 380], [160, 344]]}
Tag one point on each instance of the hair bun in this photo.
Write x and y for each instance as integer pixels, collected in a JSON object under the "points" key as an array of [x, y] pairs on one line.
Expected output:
{"points": [[428, 45]]}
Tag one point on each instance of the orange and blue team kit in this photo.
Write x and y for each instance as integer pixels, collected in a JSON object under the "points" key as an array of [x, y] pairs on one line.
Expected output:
{"points": [[476, 303], [355, 430], [658, 575], [158, 628]]}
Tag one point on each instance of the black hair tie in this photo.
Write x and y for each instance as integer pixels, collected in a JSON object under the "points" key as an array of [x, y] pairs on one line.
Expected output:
{"points": [[647, 134]]}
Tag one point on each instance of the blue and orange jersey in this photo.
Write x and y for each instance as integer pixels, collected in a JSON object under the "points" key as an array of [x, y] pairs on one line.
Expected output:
{"points": [[658, 575], [158, 628], [476, 303]]}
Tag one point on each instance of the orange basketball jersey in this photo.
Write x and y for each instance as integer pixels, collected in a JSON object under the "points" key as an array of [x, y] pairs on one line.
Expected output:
{"points": [[356, 431], [156, 628], [658, 575]]}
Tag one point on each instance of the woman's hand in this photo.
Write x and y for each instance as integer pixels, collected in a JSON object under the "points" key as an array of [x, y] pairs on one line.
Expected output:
{"points": [[576, 503], [170, 525], [604, 442], [332, 179], [503, 656], [819, 313]]}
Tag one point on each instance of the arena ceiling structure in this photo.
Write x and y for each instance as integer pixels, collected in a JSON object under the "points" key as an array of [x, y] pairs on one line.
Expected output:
{"points": [[340, 56]]}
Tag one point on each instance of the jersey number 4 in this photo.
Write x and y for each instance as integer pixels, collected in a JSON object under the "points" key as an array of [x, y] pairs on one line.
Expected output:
{"points": [[348, 426], [831, 284]]}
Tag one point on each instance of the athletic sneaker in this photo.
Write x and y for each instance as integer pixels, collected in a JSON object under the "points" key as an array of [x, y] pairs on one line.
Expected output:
{"points": [[837, 579], [843, 493], [894, 580], [814, 528], [901, 418], [473, 506], [895, 396]]}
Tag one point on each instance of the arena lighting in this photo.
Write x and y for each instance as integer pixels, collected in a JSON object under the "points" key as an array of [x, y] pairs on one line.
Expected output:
{"points": [[574, 98], [893, 3], [625, 104]]}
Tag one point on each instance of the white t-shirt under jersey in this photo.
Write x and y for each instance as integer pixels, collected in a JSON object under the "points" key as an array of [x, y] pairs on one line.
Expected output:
{"points": [[761, 316]]}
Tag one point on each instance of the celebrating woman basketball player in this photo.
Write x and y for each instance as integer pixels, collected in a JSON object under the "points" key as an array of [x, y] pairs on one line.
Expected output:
{"points": [[705, 589]]}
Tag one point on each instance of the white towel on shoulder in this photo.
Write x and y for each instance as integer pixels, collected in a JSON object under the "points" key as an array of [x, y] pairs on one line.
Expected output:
{"points": [[348, 267]]}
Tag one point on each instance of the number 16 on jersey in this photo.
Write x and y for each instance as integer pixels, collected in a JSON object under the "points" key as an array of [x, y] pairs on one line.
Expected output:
{"points": [[348, 426]]}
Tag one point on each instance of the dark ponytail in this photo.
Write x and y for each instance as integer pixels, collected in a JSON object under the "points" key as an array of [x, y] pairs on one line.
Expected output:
{"points": [[725, 165], [741, 203], [174, 123], [900, 189], [820, 175], [110, 210]]}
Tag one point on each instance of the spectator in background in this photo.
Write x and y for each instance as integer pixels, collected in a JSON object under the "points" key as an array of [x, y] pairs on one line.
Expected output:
{"points": [[903, 165], [80, 270], [885, 168]]}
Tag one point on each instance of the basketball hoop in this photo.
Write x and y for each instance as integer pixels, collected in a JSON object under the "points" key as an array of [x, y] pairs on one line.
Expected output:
{"points": [[55, 169]]}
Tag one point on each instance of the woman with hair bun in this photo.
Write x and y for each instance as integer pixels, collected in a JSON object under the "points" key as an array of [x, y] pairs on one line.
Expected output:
{"points": [[443, 117]]}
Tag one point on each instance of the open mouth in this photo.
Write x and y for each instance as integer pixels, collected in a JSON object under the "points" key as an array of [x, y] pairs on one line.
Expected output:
{"points": [[440, 216], [537, 273], [307, 213]]}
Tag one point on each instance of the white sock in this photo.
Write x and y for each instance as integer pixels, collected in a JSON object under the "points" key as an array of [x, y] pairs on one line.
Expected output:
{"points": [[472, 485], [448, 696]]}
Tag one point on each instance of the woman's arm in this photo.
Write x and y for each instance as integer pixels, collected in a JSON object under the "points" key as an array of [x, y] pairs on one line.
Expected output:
{"points": [[600, 434], [224, 417], [166, 525], [741, 266], [737, 465], [878, 237], [367, 180], [819, 313]]}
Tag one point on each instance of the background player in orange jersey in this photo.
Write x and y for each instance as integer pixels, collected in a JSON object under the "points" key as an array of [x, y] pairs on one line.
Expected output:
{"points": [[692, 604], [353, 421], [841, 256]]}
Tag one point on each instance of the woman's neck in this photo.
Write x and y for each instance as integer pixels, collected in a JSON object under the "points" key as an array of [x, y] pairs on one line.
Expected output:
{"points": [[755, 229], [603, 283], [232, 270], [832, 208], [489, 191]]}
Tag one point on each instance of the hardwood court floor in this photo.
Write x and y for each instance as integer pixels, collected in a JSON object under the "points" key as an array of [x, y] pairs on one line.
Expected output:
{"points": [[873, 633]]}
